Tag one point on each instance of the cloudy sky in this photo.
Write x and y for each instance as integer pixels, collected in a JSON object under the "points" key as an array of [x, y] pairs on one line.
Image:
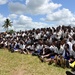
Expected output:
{"points": [[28, 14]]}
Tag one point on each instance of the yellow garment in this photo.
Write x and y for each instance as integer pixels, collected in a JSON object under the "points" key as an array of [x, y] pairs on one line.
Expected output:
{"points": [[72, 64]]}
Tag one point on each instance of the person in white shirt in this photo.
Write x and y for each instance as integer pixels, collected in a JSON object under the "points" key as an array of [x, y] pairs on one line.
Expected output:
{"points": [[70, 44]]}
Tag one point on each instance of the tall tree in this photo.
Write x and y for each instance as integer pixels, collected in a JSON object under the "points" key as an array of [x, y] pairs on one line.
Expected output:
{"points": [[7, 24]]}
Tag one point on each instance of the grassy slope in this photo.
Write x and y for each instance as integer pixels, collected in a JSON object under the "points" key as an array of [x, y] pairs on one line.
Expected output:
{"points": [[19, 64]]}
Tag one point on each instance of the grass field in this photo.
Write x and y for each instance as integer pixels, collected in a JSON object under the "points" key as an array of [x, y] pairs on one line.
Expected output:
{"points": [[20, 64]]}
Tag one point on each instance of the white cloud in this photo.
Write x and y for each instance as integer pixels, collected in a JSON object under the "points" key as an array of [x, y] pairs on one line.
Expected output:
{"points": [[3, 2], [63, 16], [59, 15], [51, 11], [27, 1], [25, 22], [2, 18], [17, 7], [12, 16], [41, 6], [33, 7], [42, 19]]}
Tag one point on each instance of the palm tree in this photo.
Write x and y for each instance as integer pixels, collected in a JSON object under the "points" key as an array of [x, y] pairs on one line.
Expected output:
{"points": [[7, 24]]}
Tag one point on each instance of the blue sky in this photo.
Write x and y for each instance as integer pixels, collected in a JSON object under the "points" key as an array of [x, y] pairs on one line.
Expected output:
{"points": [[69, 4], [28, 14]]}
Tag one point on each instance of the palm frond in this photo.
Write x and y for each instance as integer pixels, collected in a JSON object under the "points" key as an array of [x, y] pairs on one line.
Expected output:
{"points": [[7, 23]]}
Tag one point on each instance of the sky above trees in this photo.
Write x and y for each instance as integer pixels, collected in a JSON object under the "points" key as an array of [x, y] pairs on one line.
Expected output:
{"points": [[29, 14]]}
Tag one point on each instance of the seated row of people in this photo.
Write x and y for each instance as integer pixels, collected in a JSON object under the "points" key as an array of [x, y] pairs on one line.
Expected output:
{"points": [[49, 44]]}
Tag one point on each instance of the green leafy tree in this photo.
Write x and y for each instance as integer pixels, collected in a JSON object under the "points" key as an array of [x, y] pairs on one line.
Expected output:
{"points": [[7, 24], [11, 31]]}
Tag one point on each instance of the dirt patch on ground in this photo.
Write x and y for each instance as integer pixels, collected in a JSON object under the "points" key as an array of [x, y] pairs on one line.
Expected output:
{"points": [[18, 71]]}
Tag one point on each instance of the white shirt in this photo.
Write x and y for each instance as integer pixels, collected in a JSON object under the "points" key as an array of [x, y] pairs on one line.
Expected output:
{"points": [[70, 45], [22, 46]]}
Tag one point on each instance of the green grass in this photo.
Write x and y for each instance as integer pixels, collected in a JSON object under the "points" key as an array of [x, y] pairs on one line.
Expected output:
{"points": [[20, 64]]}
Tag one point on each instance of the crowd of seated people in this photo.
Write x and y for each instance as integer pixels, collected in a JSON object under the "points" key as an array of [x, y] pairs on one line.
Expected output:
{"points": [[53, 45]]}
